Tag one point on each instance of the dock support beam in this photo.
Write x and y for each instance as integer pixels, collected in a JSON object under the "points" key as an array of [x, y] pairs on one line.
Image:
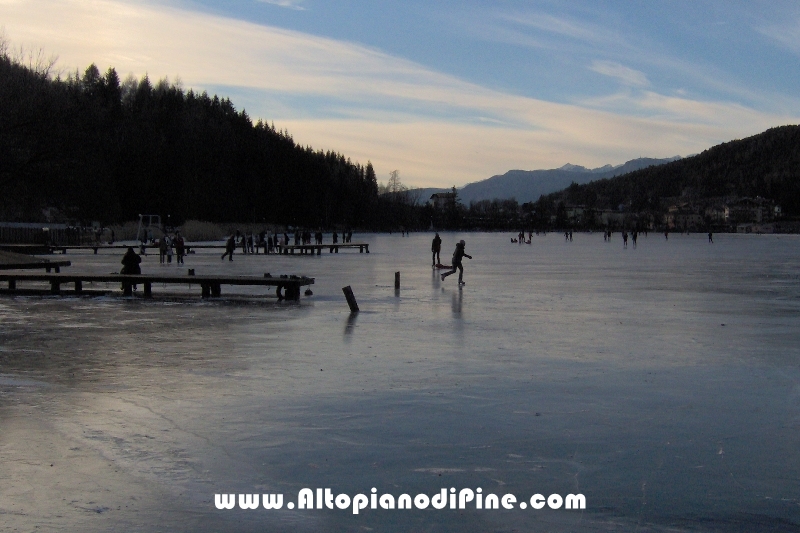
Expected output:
{"points": [[351, 299]]}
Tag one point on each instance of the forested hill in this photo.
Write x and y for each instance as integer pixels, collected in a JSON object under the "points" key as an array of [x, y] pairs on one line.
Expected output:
{"points": [[97, 149], [766, 165]]}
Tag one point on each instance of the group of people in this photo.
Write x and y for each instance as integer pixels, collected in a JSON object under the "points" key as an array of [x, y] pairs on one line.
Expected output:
{"points": [[250, 243], [169, 246], [458, 255]]}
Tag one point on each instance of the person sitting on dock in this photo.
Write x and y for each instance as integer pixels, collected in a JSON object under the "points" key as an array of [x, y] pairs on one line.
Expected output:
{"points": [[130, 262], [457, 256]]}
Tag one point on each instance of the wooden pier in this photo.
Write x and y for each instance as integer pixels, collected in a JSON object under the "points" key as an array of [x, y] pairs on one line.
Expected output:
{"points": [[15, 261], [311, 248], [210, 285]]}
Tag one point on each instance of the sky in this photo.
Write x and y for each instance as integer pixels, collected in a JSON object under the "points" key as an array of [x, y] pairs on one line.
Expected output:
{"points": [[452, 92]]}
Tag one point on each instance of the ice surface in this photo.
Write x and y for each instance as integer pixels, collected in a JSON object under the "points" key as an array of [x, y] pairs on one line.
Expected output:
{"points": [[661, 382]]}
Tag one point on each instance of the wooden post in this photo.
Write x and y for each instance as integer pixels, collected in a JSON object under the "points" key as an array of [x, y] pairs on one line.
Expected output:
{"points": [[55, 286], [148, 289], [127, 288], [351, 299], [78, 285], [206, 290], [397, 280]]}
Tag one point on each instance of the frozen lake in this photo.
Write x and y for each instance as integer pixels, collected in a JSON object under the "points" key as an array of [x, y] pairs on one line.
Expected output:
{"points": [[662, 383]]}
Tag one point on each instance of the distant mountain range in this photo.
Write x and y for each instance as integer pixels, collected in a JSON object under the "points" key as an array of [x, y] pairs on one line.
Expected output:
{"points": [[529, 185]]}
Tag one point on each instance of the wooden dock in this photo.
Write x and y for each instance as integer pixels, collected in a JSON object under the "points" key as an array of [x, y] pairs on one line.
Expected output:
{"points": [[210, 285], [15, 261], [311, 248], [54, 248]]}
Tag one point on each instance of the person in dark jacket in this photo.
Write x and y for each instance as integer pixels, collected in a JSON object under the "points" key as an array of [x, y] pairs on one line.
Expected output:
{"points": [[457, 256], [130, 262], [229, 247], [436, 247]]}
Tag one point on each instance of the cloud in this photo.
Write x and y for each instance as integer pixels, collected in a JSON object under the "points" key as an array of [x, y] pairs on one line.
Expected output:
{"points": [[626, 75], [336, 95], [786, 34], [290, 4]]}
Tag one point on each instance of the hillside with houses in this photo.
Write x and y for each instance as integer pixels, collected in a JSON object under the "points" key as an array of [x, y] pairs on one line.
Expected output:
{"points": [[747, 185]]}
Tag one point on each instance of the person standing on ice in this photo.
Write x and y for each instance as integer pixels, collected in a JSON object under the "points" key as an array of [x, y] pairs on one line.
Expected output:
{"points": [[436, 247], [457, 255]]}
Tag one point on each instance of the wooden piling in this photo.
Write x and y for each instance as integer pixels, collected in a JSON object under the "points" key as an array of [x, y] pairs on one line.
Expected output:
{"points": [[351, 299], [397, 280]]}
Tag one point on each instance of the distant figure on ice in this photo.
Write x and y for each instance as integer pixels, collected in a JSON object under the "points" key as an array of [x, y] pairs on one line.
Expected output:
{"points": [[436, 247], [163, 246], [180, 247], [230, 246], [457, 255], [666, 235], [634, 236], [130, 262], [710, 237], [624, 239]]}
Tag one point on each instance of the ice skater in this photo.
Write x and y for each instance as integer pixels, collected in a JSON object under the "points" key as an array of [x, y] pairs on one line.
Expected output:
{"points": [[230, 246], [457, 256], [436, 247]]}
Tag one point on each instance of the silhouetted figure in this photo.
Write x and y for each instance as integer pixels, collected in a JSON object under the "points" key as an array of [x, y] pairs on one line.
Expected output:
{"points": [[710, 237], [624, 239], [162, 249], [335, 237], [130, 262], [457, 256], [230, 246], [666, 235], [180, 247], [436, 247], [634, 235]]}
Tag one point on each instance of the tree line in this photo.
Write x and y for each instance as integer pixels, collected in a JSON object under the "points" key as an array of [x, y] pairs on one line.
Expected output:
{"points": [[765, 165], [90, 147]]}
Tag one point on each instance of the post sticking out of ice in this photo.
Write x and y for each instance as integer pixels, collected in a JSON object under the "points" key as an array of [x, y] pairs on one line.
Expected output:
{"points": [[351, 299], [397, 280]]}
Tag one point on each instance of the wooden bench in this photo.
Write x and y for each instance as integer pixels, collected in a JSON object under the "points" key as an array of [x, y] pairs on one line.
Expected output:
{"points": [[210, 285], [310, 248]]}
